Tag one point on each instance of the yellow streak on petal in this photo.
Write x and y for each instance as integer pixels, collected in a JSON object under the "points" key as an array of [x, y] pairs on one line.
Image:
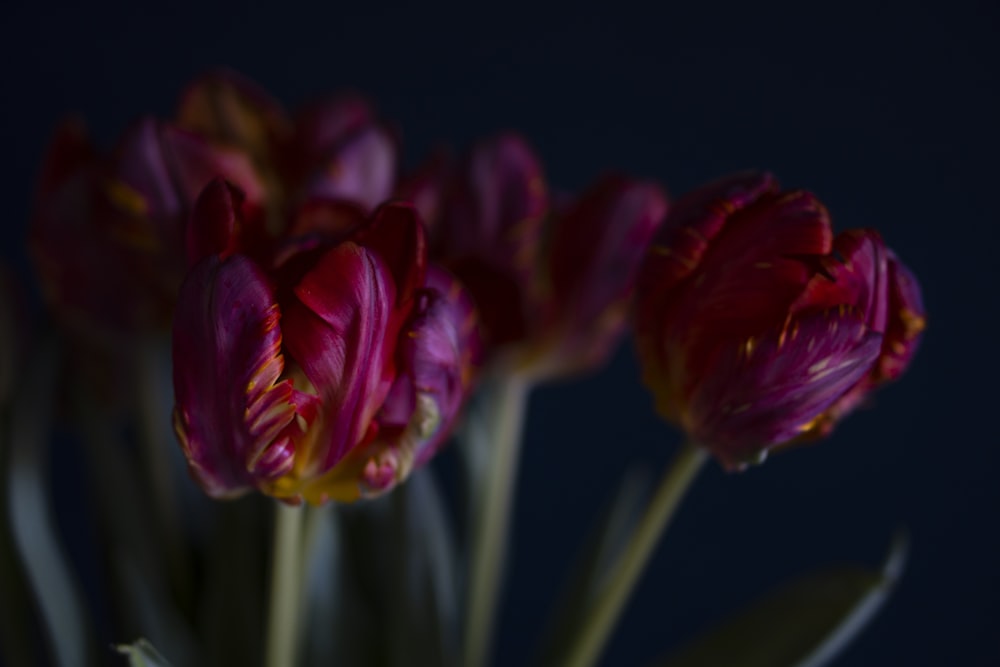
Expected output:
{"points": [[127, 198]]}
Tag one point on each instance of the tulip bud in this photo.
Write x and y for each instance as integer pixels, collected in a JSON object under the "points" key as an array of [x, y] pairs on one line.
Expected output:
{"points": [[756, 328]]}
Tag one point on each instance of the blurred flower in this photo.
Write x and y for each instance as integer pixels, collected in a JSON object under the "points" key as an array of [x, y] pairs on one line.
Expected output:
{"points": [[334, 148], [108, 231], [326, 370], [551, 282], [756, 327]]}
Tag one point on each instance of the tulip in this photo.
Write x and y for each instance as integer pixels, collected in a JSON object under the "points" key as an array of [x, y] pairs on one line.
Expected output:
{"points": [[552, 282], [335, 148], [108, 231], [326, 372], [757, 328]]}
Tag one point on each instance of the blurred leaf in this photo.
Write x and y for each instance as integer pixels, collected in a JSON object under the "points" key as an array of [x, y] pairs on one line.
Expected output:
{"points": [[425, 615], [137, 566], [142, 654], [31, 513], [232, 593], [604, 544], [804, 624], [16, 616]]}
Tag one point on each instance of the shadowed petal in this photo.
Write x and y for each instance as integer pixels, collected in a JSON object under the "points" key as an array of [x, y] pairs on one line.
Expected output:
{"points": [[905, 323], [233, 416], [595, 251], [230, 109], [362, 169], [760, 392], [395, 233], [694, 221], [858, 277]]}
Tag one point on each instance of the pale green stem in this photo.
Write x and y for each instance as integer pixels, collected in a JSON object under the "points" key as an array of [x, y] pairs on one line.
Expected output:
{"points": [[286, 587], [600, 618], [505, 418]]}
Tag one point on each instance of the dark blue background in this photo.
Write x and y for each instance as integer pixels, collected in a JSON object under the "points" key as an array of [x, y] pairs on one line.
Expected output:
{"points": [[887, 111]]}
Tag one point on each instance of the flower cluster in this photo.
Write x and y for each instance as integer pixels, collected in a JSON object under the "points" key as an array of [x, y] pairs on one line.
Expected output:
{"points": [[330, 313]]}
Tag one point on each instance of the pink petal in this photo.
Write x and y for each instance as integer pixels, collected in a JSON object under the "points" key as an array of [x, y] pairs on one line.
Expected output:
{"points": [[757, 393], [233, 416], [335, 328], [361, 169]]}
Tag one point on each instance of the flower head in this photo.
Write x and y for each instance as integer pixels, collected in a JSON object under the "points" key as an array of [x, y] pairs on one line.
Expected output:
{"points": [[325, 371], [108, 230], [551, 280], [756, 327]]}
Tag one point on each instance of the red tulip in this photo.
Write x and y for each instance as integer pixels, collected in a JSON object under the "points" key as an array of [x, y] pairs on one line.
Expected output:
{"points": [[756, 328], [325, 374], [108, 231]]}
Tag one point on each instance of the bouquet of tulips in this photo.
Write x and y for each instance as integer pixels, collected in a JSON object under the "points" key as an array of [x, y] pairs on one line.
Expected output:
{"points": [[262, 329]]}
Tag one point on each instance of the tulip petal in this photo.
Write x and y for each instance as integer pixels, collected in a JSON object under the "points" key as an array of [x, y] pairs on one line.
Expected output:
{"points": [[595, 249], [230, 109], [362, 169], [336, 329], [233, 415], [694, 221], [858, 277], [758, 393], [395, 233], [906, 321], [214, 228], [438, 356], [500, 205], [161, 170], [324, 125], [428, 187]]}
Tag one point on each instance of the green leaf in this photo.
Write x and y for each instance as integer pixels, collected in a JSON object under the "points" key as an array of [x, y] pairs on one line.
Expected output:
{"points": [[806, 623], [137, 566], [142, 654]]}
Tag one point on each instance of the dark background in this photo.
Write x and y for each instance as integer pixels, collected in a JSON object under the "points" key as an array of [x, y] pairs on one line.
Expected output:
{"points": [[887, 111]]}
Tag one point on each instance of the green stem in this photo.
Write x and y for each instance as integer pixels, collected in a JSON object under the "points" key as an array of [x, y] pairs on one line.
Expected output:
{"points": [[286, 587], [505, 419], [600, 619]]}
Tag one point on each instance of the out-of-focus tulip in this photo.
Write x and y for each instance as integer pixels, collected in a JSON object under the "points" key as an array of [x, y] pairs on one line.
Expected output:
{"points": [[756, 327], [341, 150], [108, 231], [552, 283], [335, 148], [325, 372]]}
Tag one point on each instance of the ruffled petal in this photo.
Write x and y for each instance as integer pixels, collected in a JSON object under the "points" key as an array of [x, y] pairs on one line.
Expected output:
{"points": [[906, 321], [234, 417], [857, 275], [760, 392]]}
